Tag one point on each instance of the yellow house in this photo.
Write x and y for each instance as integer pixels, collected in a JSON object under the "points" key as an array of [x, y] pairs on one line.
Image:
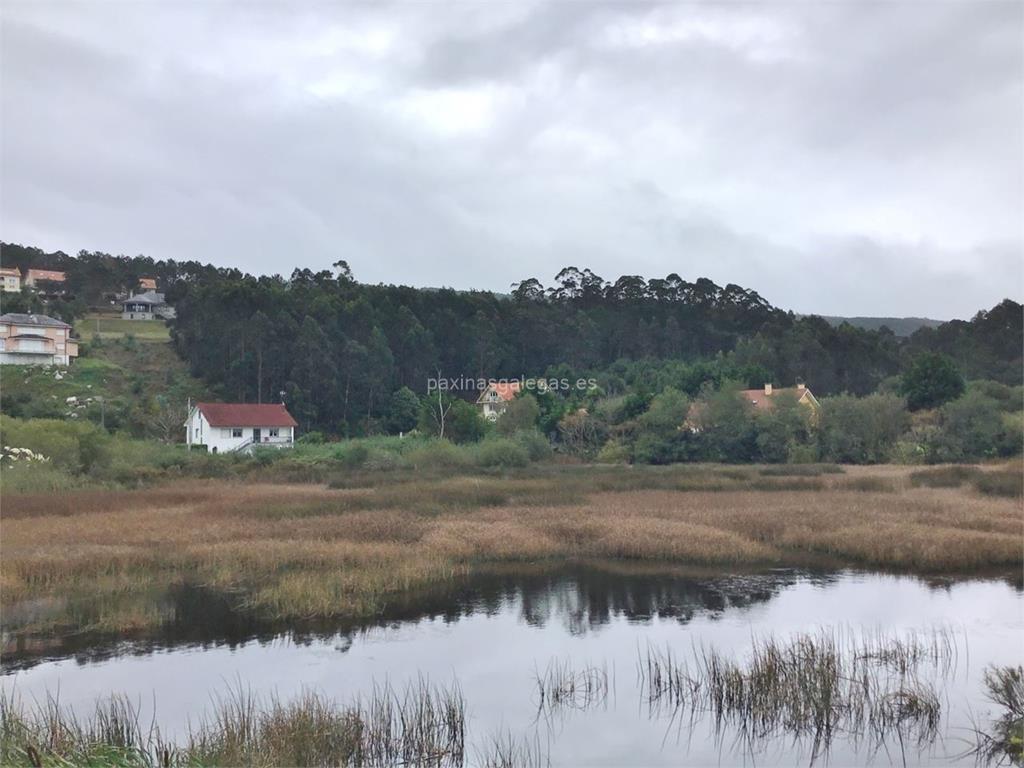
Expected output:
{"points": [[762, 398], [11, 279]]}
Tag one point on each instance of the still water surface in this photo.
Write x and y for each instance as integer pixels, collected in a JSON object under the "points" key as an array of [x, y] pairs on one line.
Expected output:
{"points": [[493, 636]]}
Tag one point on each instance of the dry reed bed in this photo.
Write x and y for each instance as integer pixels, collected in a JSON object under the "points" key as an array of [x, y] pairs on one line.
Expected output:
{"points": [[301, 551]]}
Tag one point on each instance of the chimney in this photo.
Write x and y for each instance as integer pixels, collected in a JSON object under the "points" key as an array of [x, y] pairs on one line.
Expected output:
{"points": [[767, 389]]}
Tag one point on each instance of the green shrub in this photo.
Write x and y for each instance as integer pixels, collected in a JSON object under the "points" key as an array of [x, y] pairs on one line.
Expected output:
{"points": [[134, 476], [613, 452], [536, 445], [311, 438], [908, 452], [37, 478], [520, 415], [384, 461], [854, 430], [802, 454], [973, 427], [438, 454], [501, 452], [73, 446], [352, 454]]}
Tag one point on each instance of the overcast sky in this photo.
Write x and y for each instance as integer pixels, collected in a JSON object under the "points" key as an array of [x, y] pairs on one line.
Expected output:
{"points": [[839, 158]]}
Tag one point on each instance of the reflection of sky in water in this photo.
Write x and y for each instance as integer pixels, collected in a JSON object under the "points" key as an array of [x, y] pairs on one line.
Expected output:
{"points": [[493, 638]]}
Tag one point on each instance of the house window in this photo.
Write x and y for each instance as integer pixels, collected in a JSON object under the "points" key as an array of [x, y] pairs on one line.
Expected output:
{"points": [[236, 432], [275, 432]]}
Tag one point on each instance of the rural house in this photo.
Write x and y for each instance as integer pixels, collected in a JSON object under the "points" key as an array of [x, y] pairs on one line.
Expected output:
{"points": [[46, 280], [146, 306], [763, 399], [147, 283], [35, 340], [227, 427], [11, 279], [495, 398]]}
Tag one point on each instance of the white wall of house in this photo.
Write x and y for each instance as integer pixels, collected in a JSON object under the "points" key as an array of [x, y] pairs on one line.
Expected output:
{"points": [[199, 431], [491, 404]]}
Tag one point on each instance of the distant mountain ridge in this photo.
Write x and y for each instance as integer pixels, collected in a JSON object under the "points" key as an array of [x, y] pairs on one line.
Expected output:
{"points": [[901, 326]]}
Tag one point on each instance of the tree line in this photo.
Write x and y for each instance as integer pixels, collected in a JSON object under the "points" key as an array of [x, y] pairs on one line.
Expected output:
{"points": [[339, 352]]}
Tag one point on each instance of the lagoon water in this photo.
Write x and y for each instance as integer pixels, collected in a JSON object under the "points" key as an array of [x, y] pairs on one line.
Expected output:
{"points": [[494, 635]]}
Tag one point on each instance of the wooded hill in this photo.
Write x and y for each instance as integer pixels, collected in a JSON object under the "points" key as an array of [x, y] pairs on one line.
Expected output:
{"points": [[339, 348]]}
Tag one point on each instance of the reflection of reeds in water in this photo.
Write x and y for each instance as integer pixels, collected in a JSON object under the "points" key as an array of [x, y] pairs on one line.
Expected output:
{"points": [[562, 685], [422, 725], [813, 686], [1003, 742], [507, 751]]}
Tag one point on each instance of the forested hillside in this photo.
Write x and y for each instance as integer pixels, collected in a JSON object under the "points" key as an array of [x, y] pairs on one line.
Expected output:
{"points": [[339, 349]]}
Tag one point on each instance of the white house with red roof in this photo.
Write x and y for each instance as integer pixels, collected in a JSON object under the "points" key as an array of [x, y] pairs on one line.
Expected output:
{"points": [[495, 398], [228, 427]]}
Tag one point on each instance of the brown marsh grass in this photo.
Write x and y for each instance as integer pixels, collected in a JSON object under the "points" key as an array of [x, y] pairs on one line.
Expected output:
{"points": [[295, 551]]}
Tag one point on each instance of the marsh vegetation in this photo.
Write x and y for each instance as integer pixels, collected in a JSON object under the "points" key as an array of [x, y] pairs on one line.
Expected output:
{"points": [[541, 668], [300, 551]]}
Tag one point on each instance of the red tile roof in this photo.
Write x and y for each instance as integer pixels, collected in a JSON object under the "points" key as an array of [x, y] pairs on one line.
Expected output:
{"points": [[506, 390], [246, 415], [759, 399], [45, 274], [148, 283]]}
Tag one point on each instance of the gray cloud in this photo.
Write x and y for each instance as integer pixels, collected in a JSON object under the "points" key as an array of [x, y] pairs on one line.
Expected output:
{"points": [[837, 158]]}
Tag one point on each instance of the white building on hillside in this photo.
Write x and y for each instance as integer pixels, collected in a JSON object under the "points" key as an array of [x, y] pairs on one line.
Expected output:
{"points": [[226, 427]]}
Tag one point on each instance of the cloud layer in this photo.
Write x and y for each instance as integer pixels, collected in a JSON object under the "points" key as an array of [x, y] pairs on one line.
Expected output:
{"points": [[841, 158]]}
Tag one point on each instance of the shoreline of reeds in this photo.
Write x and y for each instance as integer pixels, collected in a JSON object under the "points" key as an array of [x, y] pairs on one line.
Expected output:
{"points": [[875, 692], [303, 552]]}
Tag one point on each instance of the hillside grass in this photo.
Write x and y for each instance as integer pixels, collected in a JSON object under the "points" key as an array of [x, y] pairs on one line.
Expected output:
{"points": [[110, 325], [115, 382], [293, 551]]}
